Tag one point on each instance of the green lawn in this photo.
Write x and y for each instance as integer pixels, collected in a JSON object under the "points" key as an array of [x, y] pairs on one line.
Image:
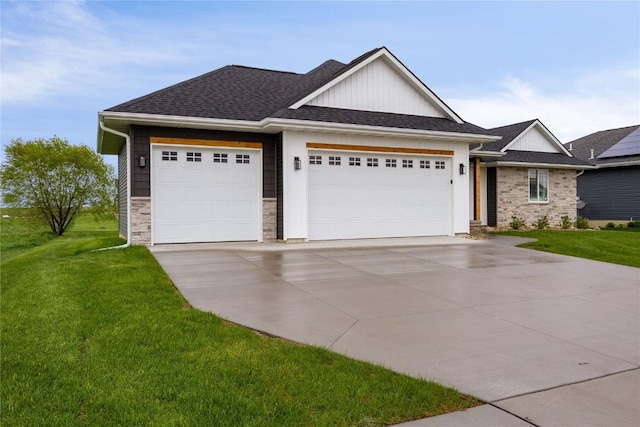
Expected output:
{"points": [[618, 246], [103, 338]]}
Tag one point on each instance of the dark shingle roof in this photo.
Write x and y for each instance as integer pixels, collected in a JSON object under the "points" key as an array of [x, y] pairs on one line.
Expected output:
{"points": [[540, 157], [232, 92], [243, 93], [600, 142], [374, 118], [508, 134]]}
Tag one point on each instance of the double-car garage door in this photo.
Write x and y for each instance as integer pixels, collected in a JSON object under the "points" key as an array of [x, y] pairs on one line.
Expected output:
{"points": [[355, 195], [213, 194]]}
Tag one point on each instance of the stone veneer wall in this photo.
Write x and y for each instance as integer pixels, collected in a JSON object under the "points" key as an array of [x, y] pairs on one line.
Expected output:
{"points": [[141, 221], [269, 219], [513, 196]]}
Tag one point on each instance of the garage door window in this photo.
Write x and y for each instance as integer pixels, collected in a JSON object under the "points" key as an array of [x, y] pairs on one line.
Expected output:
{"points": [[334, 160], [354, 161], [425, 164], [194, 157], [169, 156], [372, 162], [407, 163], [315, 160], [439, 164], [219, 158], [242, 158], [391, 163]]}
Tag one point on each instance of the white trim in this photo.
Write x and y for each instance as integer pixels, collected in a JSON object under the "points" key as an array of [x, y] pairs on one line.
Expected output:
{"points": [[278, 125], [404, 71], [307, 125], [543, 129], [478, 153]]}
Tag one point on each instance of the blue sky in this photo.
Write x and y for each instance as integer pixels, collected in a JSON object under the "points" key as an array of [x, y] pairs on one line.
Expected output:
{"points": [[574, 65]]}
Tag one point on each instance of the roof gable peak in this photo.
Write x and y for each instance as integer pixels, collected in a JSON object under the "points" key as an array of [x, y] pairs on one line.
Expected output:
{"points": [[353, 86]]}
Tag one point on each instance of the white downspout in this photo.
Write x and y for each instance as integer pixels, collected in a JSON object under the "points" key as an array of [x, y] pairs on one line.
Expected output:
{"points": [[129, 181]]}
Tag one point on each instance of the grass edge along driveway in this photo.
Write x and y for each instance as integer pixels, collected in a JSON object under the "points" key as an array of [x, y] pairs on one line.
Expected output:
{"points": [[103, 338], [614, 246]]}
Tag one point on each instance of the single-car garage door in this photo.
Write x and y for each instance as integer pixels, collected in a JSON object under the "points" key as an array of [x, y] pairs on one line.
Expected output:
{"points": [[202, 194], [356, 195]]}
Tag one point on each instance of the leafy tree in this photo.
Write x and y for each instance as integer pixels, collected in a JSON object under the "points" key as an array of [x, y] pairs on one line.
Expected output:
{"points": [[56, 180]]}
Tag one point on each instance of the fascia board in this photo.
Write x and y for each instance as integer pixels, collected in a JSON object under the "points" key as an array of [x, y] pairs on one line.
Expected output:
{"points": [[277, 125], [306, 125], [514, 140], [539, 165], [398, 66], [179, 121], [619, 164], [478, 153]]}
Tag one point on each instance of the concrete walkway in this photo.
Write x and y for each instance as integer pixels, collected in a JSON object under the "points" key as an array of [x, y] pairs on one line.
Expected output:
{"points": [[541, 337]]}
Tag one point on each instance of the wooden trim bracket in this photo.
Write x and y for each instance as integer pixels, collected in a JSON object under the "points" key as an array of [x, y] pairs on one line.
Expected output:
{"points": [[204, 142], [372, 148]]}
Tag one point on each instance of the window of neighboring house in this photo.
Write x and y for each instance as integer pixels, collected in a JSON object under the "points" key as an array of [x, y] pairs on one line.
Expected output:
{"points": [[538, 185]]}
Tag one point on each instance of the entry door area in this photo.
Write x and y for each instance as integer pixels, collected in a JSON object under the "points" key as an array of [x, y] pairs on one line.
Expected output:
{"points": [[355, 195], [202, 194]]}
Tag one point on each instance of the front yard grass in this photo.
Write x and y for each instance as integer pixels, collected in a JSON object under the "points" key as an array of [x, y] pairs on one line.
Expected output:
{"points": [[103, 338], [619, 247]]}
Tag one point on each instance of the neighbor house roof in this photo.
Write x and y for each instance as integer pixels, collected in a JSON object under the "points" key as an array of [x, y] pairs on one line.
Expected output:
{"points": [[247, 98], [604, 141], [502, 155]]}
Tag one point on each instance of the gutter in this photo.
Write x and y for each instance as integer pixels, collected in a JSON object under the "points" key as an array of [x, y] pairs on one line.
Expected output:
{"points": [[274, 125], [127, 140]]}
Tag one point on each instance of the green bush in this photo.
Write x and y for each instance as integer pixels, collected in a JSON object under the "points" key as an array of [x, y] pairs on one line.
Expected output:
{"points": [[516, 223], [582, 223], [541, 223], [610, 225], [633, 224], [565, 222]]}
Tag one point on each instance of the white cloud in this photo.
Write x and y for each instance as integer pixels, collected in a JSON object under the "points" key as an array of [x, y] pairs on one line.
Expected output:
{"points": [[63, 49], [597, 100]]}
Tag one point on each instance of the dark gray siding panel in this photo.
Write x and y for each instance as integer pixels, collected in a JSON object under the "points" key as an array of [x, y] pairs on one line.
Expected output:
{"points": [[610, 194], [122, 191], [492, 198], [141, 136]]}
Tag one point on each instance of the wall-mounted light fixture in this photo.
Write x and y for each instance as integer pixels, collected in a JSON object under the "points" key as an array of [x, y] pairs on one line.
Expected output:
{"points": [[297, 164], [142, 162], [463, 169]]}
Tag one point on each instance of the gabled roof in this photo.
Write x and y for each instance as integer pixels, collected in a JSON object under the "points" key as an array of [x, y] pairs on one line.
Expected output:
{"points": [[600, 142], [253, 99], [503, 155]]}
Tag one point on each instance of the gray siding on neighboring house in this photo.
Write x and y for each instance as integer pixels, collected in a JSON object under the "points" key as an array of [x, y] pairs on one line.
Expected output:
{"points": [[122, 191], [610, 193]]}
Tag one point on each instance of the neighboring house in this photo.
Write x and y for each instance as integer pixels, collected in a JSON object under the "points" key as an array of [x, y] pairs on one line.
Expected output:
{"points": [[345, 151], [611, 192], [528, 174]]}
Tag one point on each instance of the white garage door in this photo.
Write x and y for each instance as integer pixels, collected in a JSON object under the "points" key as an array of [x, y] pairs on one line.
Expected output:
{"points": [[367, 195], [205, 194]]}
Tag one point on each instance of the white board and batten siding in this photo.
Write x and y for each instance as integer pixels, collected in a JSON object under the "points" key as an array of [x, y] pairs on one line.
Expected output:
{"points": [[377, 87], [205, 194], [534, 140]]}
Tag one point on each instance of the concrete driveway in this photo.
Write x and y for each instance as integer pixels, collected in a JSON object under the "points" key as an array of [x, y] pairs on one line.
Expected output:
{"points": [[494, 321]]}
